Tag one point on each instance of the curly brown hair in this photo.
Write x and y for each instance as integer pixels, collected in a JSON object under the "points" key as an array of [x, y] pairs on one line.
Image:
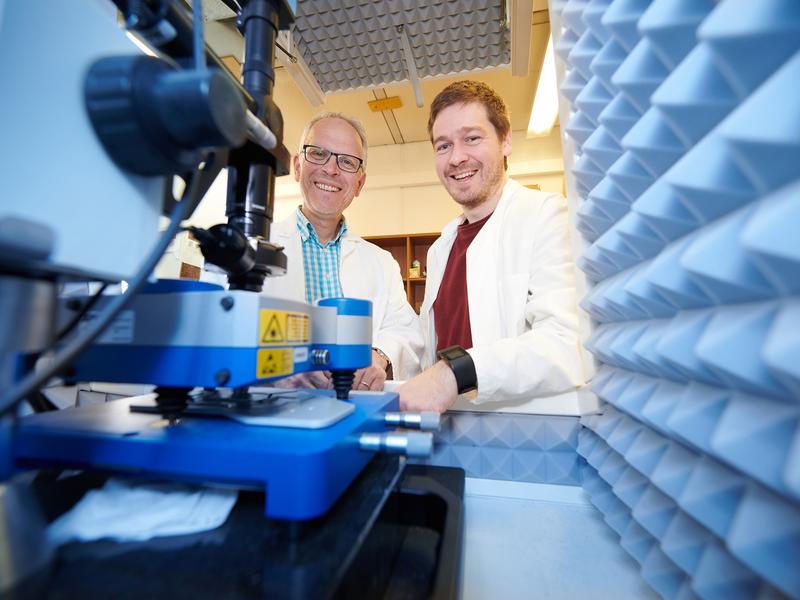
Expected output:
{"points": [[466, 91]]}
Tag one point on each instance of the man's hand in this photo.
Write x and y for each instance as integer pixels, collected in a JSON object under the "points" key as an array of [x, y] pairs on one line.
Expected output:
{"points": [[320, 380], [433, 389], [373, 377]]}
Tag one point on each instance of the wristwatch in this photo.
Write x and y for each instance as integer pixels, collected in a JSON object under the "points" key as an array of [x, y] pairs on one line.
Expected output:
{"points": [[388, 360], [462, 366]]}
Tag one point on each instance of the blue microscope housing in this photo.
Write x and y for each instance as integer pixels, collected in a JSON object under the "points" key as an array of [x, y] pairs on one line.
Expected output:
{"points": [[300, 446]]}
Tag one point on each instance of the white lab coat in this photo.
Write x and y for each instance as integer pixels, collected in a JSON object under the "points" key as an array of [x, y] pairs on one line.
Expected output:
{"points": [[522, 300], [367, 272]]}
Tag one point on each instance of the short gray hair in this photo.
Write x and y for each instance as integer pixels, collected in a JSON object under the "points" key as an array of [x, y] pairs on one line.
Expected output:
{"points": [[354, 123]]}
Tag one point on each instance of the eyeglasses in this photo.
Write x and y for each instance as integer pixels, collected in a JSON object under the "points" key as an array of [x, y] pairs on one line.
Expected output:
{"points": [[320, 156]]}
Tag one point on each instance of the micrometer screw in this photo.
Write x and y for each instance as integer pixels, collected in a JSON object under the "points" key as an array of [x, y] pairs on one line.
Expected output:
{"points": [[320, 356], [227, 302]]}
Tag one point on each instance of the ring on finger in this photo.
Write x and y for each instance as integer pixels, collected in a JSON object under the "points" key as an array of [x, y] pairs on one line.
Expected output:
{"points": [[364, 383]]}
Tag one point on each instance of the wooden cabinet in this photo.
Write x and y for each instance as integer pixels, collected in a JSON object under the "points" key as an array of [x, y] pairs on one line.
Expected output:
{"points": [[406, 248]]}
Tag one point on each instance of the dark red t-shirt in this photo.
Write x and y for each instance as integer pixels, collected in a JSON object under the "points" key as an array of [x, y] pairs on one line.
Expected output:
{"points": [[451, 307]]}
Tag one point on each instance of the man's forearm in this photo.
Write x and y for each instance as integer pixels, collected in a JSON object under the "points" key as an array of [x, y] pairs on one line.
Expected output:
{"points": [[433, 389]]}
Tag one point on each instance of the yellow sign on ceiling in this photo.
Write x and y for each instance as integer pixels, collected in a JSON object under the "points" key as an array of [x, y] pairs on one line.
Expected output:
{"points": [[385, 104]]}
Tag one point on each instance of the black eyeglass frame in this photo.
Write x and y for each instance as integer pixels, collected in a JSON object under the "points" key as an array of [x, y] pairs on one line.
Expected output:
{"points": [[336, 154]]}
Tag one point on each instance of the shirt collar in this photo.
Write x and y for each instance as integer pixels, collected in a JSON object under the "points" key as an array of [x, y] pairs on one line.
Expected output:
{"points": [[307, 231]]}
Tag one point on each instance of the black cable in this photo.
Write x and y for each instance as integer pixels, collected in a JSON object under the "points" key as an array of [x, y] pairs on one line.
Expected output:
{"points": [[80, 314], [34, 380], [286, 52], [233, 5], [37, 400], [40, 403]]}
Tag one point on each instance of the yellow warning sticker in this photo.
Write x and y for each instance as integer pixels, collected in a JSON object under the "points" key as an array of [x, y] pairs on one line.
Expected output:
{"points": [[272, 326], [274, 362], [297, 328], [283, 327]]}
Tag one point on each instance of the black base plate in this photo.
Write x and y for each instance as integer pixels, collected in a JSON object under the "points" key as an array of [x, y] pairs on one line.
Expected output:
{"points": [[395, 534]]}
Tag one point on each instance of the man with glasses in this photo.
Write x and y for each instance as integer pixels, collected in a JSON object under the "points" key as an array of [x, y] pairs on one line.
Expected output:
{"points": [[325, 259]]}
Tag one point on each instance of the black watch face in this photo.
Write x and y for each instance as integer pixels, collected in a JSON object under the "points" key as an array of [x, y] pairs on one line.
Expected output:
{"points": [[462, 367], [452, 353]]}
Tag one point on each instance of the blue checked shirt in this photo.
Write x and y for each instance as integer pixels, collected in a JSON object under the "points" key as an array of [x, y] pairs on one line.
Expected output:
{"points": [[321, 263]]}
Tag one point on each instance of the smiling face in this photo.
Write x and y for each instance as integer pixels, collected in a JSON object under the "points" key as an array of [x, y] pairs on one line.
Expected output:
{"points": [[327, 190], [469, 157]]}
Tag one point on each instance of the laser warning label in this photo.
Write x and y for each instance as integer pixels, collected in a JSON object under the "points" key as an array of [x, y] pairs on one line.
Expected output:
{"points": [[282, 327]]}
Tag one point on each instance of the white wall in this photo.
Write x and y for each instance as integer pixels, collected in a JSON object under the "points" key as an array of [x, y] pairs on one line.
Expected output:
{"points": [[402, 193]]}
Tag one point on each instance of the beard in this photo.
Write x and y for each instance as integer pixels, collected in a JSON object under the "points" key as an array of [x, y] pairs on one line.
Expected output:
{"points": [[489, 185]]}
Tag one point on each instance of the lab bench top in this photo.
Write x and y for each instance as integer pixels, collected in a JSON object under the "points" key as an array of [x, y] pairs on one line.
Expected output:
{"points": [[530, 540]]}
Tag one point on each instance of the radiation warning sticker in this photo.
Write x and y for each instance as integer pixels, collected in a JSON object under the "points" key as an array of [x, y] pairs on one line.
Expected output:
{"points": [[282, 327], [274, 362]]}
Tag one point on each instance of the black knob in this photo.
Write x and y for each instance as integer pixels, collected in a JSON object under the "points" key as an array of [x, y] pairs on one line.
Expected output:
{"points": [[227, 247], [201, 109], [156, 119]]}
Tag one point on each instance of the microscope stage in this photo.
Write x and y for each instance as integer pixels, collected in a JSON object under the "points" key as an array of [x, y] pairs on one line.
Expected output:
{"points": [[303, 471]]}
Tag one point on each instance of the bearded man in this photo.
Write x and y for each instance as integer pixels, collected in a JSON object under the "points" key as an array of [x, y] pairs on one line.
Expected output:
{"points": [[499, 315]]}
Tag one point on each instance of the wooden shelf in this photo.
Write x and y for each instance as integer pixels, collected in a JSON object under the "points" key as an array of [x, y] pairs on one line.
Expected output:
{"points": [[406, 248]]}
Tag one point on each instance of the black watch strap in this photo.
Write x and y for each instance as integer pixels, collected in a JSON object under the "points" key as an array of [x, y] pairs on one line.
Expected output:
{"points": [[460, 362]]}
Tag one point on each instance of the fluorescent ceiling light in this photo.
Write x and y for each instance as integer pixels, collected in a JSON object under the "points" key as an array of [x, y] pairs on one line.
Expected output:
{"points": [[545, 103], [411, 66]]}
